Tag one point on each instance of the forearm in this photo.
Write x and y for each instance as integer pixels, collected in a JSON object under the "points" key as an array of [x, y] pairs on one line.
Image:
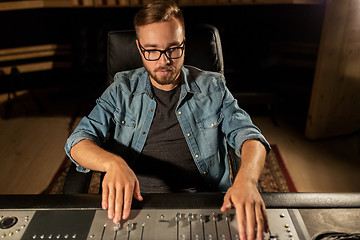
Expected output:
{"points": [[91, 156], [243, 194], [253, 156]]}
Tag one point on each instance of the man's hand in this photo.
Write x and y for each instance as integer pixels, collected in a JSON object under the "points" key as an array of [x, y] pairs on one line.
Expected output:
{"points": [[120, 182], [119, 186], [249, 207]]}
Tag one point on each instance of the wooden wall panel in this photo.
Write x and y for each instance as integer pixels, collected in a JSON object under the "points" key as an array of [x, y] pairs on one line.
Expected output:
{"points": [[34, 58], [335, 102]]}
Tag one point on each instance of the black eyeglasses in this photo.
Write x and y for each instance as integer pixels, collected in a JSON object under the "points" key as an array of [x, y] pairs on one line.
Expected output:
{"points": [[170, 53]]}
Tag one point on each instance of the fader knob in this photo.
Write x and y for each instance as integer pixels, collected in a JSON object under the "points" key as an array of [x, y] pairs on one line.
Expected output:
{"points": [[191, 217], [130, 227]]}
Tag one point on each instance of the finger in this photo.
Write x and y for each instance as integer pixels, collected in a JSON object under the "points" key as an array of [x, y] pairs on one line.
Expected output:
{"points": [[241, 220], [137, 193], [118, 205], [104, 201], [250, 221], [259, 222], [266, 222], [127, 201], [111, 202], [226, 204]]}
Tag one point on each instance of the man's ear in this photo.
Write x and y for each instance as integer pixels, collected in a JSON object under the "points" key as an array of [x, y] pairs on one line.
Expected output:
{"points": [[138, 46]]}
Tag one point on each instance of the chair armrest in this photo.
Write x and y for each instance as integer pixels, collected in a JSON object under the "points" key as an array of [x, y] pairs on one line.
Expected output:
{"points": [[76, 182], [234, 161]]}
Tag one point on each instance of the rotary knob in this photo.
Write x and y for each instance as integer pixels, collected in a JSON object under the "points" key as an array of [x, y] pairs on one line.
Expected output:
{"points": [[8, 222]]}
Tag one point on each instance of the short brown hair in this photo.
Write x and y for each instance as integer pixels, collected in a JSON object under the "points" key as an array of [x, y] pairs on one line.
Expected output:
{"points": [[158, 11]]}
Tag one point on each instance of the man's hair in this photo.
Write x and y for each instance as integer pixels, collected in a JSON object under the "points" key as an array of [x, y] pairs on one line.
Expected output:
{"points": [[158, 11]]}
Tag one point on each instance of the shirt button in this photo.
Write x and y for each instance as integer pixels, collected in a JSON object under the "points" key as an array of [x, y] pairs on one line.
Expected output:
{"points": [[179, 112], [205, 172], [151, 110], [122, 122], [212, 124], [188, 134], [144, 133], [196, 156]]}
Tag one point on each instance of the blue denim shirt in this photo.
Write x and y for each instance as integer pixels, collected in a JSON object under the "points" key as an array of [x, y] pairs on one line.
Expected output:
{"points": [[207, 112]]}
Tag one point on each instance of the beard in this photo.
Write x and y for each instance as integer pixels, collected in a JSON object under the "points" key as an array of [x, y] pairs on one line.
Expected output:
{"points": [[164, 80]]}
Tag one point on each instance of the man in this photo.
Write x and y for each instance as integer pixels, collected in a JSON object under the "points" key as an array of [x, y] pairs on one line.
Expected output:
{"points": [[169, 121]]}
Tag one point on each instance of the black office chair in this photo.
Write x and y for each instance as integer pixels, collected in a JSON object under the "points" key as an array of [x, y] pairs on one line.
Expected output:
{"points": [[203, 50]]}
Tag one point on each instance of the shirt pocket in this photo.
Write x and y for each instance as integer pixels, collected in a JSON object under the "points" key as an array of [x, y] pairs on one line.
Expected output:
{"points": [[123, 119], [124, 127], [210, 128]]}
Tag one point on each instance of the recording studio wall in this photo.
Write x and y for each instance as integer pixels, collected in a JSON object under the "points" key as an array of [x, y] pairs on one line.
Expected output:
{"points": [[266, 47]]}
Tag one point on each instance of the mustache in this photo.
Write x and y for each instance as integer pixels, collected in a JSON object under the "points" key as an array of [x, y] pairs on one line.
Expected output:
{"points": [[166, 68]]}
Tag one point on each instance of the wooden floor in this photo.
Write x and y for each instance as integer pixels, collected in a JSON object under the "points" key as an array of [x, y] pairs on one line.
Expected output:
{"points": [[328, 165], [32, 146]]}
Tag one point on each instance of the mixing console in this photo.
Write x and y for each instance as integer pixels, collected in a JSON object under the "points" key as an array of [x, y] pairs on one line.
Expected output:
{"points": [[146, 224]]}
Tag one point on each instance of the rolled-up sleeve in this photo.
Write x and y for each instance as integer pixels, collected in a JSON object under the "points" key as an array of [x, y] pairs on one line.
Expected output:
{"points": [[238, 126], [75, 138], [95, 126]]}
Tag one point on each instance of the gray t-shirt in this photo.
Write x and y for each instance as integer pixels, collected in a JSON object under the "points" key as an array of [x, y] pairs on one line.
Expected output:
{"points": [[166, 164]]}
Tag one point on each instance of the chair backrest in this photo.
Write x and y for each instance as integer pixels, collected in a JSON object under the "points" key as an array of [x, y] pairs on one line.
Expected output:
{"points": [[203, 50]]}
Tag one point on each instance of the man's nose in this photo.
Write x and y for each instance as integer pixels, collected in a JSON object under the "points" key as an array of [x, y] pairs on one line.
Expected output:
{"points": [[164, 59]]}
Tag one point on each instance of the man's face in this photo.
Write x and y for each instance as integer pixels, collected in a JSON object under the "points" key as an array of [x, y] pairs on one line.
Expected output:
{"points": [[164, 72]]}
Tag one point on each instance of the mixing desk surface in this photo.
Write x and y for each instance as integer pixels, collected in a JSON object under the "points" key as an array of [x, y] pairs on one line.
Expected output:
{"points": [[151, 224], [45, 218]]}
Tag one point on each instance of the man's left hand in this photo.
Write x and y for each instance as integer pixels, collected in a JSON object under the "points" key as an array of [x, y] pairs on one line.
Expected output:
{"points": [[250, 209]]}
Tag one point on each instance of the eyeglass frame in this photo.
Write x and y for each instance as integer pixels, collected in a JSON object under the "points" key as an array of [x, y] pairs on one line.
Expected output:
{"points": [[142, 49]]}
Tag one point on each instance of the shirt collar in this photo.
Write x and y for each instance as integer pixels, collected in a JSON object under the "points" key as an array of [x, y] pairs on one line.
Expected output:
{"points": [[189, 84], [144, 85]]}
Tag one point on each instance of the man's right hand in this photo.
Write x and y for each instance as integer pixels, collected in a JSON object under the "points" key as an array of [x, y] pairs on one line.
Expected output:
{"points": [[119, 186], [120, 182]]}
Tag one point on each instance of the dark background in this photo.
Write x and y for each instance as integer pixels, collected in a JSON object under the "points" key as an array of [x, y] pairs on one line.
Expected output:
{"points": [[269, 50]]}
